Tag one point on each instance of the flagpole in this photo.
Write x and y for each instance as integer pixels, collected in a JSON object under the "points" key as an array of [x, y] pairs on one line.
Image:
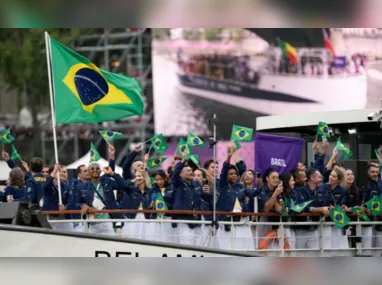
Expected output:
{"points": [[48, 61]]}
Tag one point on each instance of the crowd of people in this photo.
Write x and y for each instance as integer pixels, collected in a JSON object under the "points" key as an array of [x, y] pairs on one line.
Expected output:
{"points": [[219, 67], [185, 186]]}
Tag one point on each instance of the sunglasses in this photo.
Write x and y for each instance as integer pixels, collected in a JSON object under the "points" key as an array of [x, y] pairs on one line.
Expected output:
{"points": [[95, 168]]}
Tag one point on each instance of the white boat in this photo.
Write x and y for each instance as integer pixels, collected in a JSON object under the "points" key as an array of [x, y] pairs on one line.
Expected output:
{"points": [[274, 93], [20, 241]]}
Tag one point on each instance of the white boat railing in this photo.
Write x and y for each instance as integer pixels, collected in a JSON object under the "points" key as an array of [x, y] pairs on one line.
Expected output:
{"points": [[209, 239]]}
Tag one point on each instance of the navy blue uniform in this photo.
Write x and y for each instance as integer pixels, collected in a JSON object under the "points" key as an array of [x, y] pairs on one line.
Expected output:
{"points": [[133, 197], [168, 196], [51, 198], [17, 193], [127, 174], [187, 196], [34, 191], [230, 192], [86, 192]]}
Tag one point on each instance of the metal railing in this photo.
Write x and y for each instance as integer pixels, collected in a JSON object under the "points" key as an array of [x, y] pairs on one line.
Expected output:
{"points": [[277, 248]]}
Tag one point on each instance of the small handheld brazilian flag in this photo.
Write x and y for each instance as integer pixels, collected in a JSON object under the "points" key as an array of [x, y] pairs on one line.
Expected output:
{"points": [[339, 217], [237, 144], [15, 155], [323, 130], [6, 136], [298, 208], [340, 146], [155, 162], [195, 159], [284, 213], [374, 205], [193, 140], [361, 214], [94, 155], [378, 156], [110, 135], [160, 204], [241, 133], [84, 93], [184, 147], [158, 144]]}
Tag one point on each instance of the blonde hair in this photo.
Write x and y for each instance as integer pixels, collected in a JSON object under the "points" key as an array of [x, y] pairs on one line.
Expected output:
{"points": [[242, 178], [340, 171], [146, 177]]}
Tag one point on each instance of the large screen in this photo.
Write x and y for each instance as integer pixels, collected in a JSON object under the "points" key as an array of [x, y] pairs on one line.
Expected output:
{"points": [[240, 76]]}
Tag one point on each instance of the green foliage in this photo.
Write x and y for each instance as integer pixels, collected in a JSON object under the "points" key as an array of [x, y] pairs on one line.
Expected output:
{"points": [[212, 34], [192, 34], [23, 65], [237, 34], [160, 33]]}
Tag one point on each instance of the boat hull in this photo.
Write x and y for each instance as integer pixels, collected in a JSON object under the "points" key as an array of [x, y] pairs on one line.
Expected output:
{"points": [[36, 242]]}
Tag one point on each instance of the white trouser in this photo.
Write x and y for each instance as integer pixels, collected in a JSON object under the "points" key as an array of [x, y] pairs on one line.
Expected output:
{"points": [[378, 238], [67, 227], [186, 234], [339, 240], [306, 239], [367, 237], [102, 228], [79, 228], [327, 237], [290, 233]]}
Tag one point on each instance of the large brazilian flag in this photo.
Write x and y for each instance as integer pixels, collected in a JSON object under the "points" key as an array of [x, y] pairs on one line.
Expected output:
{"points": [[84, 93]]}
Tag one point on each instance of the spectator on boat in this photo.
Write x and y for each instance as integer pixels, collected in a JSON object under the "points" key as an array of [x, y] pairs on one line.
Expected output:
{"points": [[231, 199], [15, 191], [330, 195], [187, 194], [51, 197], [162, 187], [98, 194], [139, 198]]}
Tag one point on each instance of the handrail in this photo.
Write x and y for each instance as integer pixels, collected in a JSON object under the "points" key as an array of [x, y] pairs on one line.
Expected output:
{"points": [[182, 212]]}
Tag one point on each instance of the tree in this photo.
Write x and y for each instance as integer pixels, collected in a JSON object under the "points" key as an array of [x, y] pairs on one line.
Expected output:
{"points": [[192, 34], [23, 67], [237, 34], [212, 34], [160, 33]]}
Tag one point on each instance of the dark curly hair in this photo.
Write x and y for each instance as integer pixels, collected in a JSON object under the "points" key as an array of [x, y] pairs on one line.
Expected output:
{"points": [[16, 177]]}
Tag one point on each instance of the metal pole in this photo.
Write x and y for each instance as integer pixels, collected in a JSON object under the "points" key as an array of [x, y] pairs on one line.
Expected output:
{"points": [[76, 151], [49, 62], [215, 175]]}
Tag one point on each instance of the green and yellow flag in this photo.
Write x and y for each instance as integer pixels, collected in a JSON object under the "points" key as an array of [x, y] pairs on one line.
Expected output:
{"points": [[159, 144], [193, 140], [361, 214], [94, 155], [241, 133], [160, 204], [195, 159], [237, 144], [184, 147], [339, 217], [284, 213], [155, 162], [15, 155], [298, 208], [378, 157], [374, 205], [323, 129], [6, 136], [346, 152], [110, 135], [84, 93]]}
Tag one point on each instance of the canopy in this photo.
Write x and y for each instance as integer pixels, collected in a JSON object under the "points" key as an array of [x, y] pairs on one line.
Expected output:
{"points": [[85, 160]]}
